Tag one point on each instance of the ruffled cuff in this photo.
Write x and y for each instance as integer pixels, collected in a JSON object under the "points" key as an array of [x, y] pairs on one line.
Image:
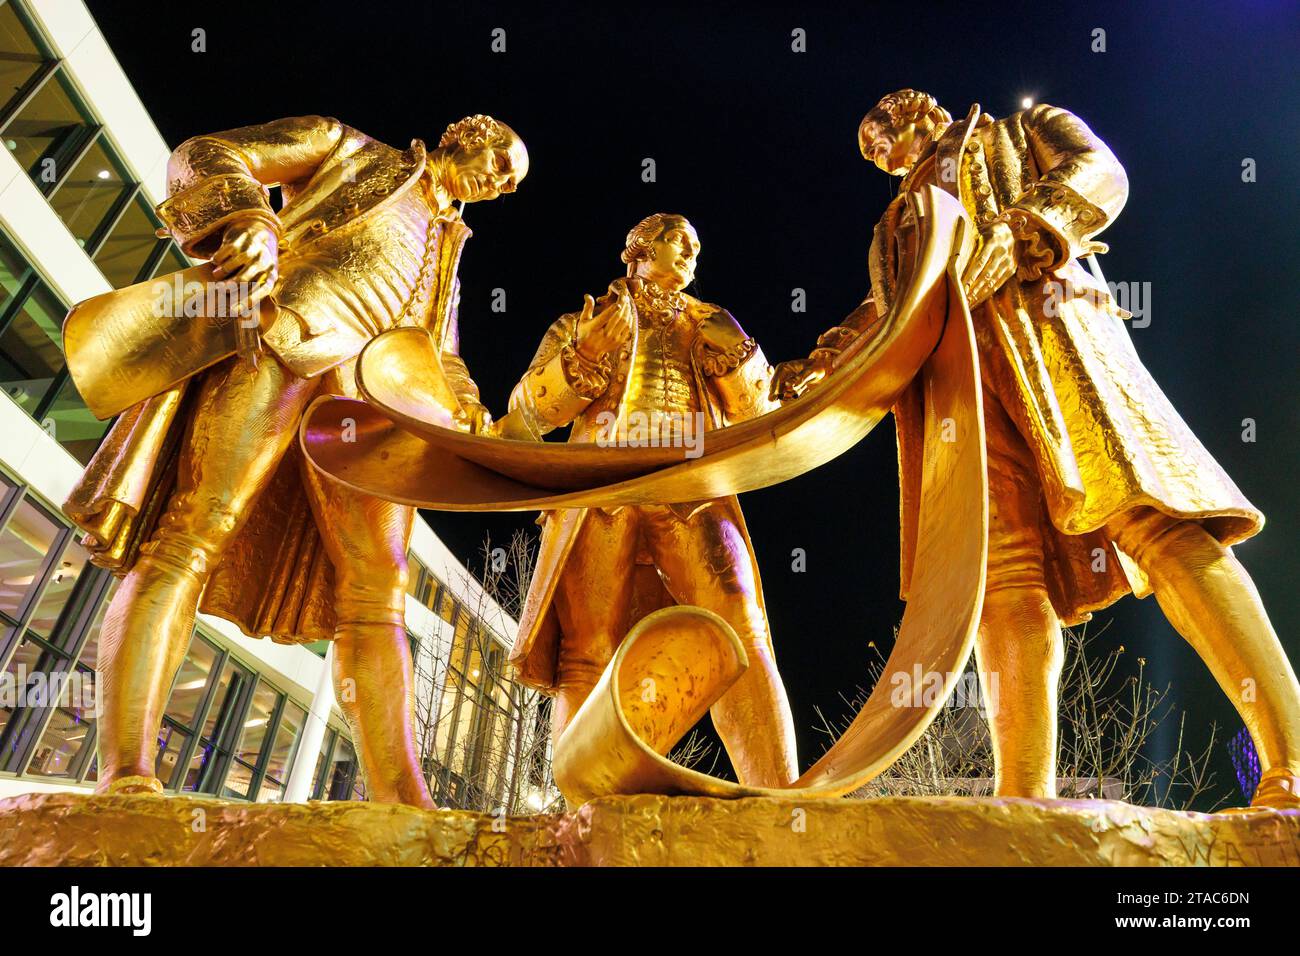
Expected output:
{"points": [[198, 216], [1053, 224], [589, 379], [837, 339], [713, 363]]}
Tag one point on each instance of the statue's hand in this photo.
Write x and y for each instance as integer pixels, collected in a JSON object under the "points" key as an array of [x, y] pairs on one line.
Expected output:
{"points": [[600, 333], [791, 379], [475, 417], [993, 263], [249, 255]]}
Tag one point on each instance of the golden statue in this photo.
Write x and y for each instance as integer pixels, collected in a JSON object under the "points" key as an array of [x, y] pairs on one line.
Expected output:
{"points": [[199, 496], [649, 366], [1096, 485]]}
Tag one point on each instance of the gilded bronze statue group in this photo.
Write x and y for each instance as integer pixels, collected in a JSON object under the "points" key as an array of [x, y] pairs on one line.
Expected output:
{"points": [[227, 484]]}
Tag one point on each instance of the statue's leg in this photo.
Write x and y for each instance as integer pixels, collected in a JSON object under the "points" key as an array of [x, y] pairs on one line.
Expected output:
{"points": [[242, 422], [705, 561], [1018, 649], [1210, 599], [366, 539], [594, 600]]}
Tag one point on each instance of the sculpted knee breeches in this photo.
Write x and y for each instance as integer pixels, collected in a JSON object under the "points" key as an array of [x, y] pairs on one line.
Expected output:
{"points": [[702, 560]]}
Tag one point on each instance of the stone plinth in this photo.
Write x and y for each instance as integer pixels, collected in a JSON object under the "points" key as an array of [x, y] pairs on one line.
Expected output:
{"points": [[79, 830]]}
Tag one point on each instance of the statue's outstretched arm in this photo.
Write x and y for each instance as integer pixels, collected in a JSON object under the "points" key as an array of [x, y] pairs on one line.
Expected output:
{"points": [[1081, 189], [559, 384], [215, 179]]}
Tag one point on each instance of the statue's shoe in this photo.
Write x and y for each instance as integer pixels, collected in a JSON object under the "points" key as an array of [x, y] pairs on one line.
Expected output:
{"points": [[134, 784], [1279, 789]]}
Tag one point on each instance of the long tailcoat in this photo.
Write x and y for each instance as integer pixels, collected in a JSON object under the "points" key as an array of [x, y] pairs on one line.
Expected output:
{"points": [[732, 377]]}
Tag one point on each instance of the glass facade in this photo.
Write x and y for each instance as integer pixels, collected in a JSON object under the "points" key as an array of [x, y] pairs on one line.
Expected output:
{"points": [[53, 136], [227, 730], [47, 128], [32, 371], [476, 724]]}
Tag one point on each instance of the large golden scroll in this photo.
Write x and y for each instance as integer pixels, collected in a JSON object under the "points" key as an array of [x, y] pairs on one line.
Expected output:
{"points": [[397, 446], [131, 344]]}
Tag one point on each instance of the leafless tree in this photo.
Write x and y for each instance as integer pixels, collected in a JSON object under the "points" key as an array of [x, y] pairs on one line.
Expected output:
{"points": [[1106, 722], [484, 737]]}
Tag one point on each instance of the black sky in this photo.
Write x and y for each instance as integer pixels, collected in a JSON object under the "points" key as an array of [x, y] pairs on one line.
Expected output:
{"points": [[756, 144]]}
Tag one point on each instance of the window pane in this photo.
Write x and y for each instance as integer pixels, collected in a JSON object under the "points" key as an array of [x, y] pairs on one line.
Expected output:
{"points": [[291, 724], [68, 731], [128, 246], [70, 423], [62, 579], [22, 665], [220, 714], [172, 261], [49, 123], [259, 716], [203, 755], [446, 605], [415, 571], [325, 744], [191, 680], [270, 791], [90, 192], [238, 781], [14, 270], [171, 742], [89, 656], [30, 535], [30, 355], [342, 772], [20, 57]]}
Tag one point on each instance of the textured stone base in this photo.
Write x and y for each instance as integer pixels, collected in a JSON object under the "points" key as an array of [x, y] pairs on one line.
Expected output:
{"points": [[72, 829]]}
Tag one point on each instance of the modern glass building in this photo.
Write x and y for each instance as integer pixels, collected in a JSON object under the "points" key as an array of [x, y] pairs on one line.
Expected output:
{"points": [[82, 169]]}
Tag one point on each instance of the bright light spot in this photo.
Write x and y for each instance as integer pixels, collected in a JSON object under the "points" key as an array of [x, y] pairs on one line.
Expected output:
{"points": [[1027, 102], [104, 174]]}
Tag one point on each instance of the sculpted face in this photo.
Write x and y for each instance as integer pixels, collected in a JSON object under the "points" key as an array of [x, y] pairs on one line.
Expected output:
{"points": [[486, 172], [894, 147], [673, 255]]}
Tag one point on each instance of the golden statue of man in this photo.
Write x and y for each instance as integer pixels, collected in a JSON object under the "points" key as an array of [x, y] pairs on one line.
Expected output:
{"points": [[199, 495], [1096, 485], [648, 363]]}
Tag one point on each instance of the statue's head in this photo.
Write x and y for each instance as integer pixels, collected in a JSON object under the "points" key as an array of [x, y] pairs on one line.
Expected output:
{"points": [[663, 249], [897, 129], [485, 158]]}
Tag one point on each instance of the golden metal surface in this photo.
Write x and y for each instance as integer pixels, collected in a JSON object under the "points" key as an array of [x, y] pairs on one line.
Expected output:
{"points": [[73, 830], [454, 471], [126, 346]]}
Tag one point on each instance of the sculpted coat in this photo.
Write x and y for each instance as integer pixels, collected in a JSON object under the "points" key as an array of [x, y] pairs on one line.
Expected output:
{"points": [[348, 200], [1102, 434], [732, 376]]}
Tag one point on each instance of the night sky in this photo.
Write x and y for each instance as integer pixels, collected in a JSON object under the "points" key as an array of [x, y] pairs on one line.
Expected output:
{"points": [[756, 144]]}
